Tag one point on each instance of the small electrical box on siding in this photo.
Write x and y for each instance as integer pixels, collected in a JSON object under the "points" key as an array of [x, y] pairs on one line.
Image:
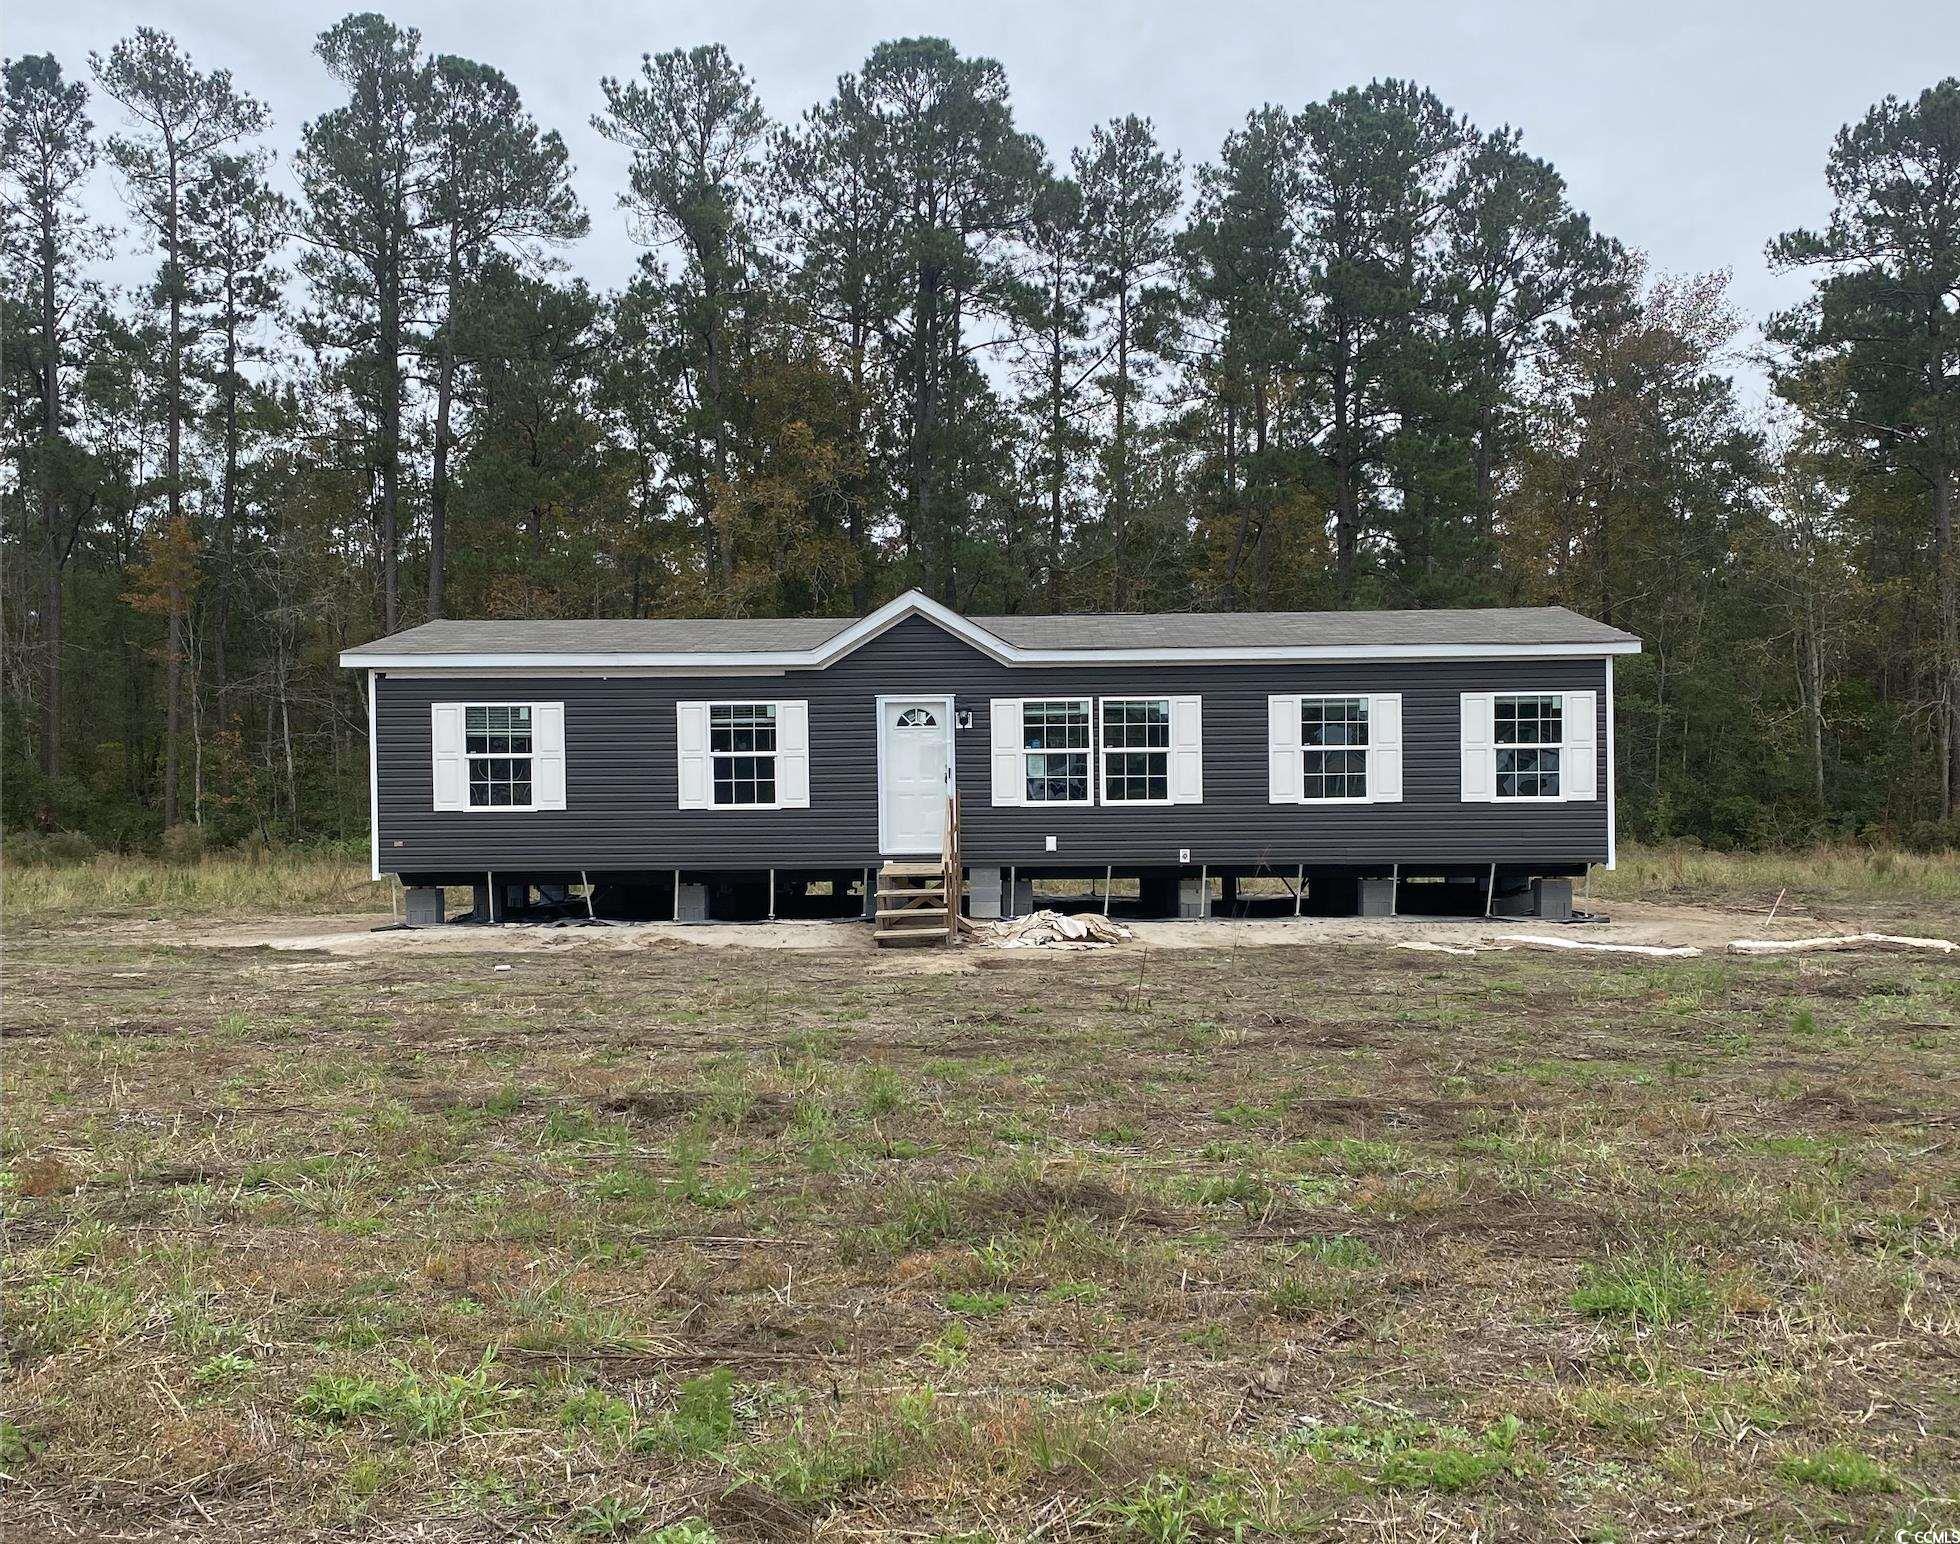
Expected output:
{"points": [[1051, 844], [1184, 855]]}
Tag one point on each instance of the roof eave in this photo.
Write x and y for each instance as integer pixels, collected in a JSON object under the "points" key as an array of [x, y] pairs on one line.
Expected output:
{"points": [[736, 664]]}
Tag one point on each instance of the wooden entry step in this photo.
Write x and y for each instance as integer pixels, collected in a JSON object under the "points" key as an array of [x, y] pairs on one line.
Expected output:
{"points": [[914, 905], [919, 903]]}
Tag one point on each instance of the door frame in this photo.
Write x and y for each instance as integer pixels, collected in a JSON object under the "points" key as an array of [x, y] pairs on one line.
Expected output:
{"points": [[944, 702]]}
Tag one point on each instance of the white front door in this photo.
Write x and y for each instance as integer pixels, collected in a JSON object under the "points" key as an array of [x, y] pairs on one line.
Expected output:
{"points": [[915, 739]]}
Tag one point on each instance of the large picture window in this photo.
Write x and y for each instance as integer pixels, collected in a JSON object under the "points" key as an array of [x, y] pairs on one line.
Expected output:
{"points": [[1136, 750], [1527, 733], [742, 744], [1055, 740], [497, 743], [1334, 748]]}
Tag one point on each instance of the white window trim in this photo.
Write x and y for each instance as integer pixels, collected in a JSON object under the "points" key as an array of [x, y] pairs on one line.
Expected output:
{"points": [[1089, 751], [946, 719], [466, 807], [1367, 778], [1101, 717], [775, 756], [1371, 752], [1561, 796]]}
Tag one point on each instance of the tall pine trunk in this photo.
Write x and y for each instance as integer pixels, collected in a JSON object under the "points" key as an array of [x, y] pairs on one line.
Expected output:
{"points": [[1119, 577], [227, 506], [1946, 568], [50, 505], [390, 341], [173, 667], [439, 469]]}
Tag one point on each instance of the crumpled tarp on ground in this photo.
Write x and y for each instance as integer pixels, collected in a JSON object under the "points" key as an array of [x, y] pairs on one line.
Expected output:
{"points": [[1056, 930]]}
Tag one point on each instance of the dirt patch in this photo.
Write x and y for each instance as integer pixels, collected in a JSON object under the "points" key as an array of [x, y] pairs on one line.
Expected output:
{"points": [[1673, 924]]}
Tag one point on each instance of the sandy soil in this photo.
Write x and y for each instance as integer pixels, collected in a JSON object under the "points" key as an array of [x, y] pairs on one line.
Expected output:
{"points": [[1707, 927]]}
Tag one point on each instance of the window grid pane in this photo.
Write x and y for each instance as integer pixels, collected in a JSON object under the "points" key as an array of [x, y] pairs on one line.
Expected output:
{"points": [[497, 731], [1136, 737], [1528, 720], [1528, 732], [497, 744], [1334, 739], [1055, 742], [742, 746], [1527, 774]]}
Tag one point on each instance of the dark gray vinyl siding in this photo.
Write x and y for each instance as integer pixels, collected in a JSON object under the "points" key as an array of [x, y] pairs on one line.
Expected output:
{"points": [[621, 772]]}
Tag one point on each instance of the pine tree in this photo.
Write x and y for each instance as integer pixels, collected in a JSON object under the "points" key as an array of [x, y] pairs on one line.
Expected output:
{"points": [[496, 181], [1055, 371], [1883, 323], [236, 225], [46, 154], [697, 131], [1130, 195], [183, 118], [365, 169]]}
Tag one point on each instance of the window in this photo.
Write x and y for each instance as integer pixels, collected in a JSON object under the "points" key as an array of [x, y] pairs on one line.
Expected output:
{"points": [[1334, 748], [1528, 733], [742, 744], [1136, 750], [1055, 751], [918, 718], [497, 743]]}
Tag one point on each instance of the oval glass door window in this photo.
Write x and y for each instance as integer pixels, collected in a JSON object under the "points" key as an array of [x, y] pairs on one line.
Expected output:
{"points": [[918, 718]]}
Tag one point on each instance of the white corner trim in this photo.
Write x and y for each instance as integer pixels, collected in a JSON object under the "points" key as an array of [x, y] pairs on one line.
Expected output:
{"points": [[374, 786], [1612, 808], [916, 603]]}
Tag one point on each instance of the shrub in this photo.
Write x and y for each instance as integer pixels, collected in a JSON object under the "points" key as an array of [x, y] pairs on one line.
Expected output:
{"points": [[48, 849], [182, 844]]}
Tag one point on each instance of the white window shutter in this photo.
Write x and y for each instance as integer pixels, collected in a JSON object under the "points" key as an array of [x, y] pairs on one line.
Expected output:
{"points": [[1579, 757], [696, 787], [1478, 763], [793, 755], [548, 755], [1004, 720], [1187, 750], [1283, 750], [1385, 748], [451, 766]]}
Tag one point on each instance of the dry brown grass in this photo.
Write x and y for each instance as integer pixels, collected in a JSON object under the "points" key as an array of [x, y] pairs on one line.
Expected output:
{"points": [[1346, 1243], [262, 882], [1902, 880]]}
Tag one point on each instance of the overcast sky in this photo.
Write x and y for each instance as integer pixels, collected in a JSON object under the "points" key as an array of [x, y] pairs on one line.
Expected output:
{"points": [[1694, 131]]}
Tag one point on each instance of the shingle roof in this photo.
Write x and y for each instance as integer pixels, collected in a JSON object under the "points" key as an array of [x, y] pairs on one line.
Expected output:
{"points": [[1305, 629], [646, 635], [1503, 627]]}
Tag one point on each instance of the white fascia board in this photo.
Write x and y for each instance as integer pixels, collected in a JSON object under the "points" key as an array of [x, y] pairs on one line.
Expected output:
{"points": [[772, 664]]}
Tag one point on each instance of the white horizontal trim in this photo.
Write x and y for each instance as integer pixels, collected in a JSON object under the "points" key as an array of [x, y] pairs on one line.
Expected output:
{"points": [[422, 671], [756, 664], [913, 603]]}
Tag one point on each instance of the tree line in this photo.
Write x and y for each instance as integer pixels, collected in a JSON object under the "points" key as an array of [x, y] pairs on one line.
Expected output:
{"points": [[1369, 354]]}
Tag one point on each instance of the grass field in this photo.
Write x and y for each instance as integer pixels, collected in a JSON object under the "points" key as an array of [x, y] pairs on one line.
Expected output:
{"points": [[691, 1244]]}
